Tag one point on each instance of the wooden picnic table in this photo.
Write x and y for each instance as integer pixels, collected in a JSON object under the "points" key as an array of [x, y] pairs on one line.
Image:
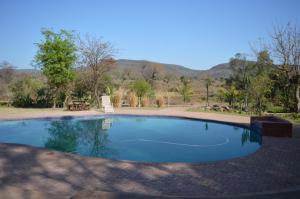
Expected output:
{"points": [[78, 105]]}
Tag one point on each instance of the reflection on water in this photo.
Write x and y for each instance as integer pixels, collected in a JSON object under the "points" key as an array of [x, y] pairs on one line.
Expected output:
{"points": [[140, 119], [248, 136], [106, 124], [89, 137], [63, 136], [150, 139], [206, 126]]}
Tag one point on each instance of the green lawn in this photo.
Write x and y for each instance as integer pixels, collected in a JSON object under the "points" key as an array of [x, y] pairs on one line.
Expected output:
{"points": [[292, 117]]}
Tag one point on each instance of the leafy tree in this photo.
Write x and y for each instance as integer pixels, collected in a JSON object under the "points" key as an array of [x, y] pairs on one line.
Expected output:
{"points": [[260, 88], [231, 95], [242, 70], [141, 89], [283, 89], [56, 56], [185, 89], [264, 63]]}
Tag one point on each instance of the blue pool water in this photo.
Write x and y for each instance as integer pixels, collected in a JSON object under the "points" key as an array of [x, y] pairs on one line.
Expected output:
{"points": [[138, 138]]}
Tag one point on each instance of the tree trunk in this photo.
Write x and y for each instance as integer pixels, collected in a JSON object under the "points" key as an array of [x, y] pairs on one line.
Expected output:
{"points": [[98, 100], [140, 102], [54, 102], [246, 103], [96, 94], [54, 97], [298, 97], [66, 101], [207, 104]]}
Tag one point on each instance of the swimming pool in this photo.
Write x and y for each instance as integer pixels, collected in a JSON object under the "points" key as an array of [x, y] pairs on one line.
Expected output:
{"points": [[136, 138]]}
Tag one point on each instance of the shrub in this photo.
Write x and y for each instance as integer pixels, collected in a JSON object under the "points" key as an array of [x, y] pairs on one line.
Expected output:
{"points": [[132, 100], [141, 88], [160, 102], [117, 100], [145, 102], [29, 92], [22, 101]]}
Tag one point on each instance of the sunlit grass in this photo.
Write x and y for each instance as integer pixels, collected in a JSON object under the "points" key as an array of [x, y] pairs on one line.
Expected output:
{"points": [[292, 117]]}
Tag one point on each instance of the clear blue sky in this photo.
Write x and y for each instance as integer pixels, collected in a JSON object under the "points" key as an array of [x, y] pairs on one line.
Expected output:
{"points": [[197, 34]]}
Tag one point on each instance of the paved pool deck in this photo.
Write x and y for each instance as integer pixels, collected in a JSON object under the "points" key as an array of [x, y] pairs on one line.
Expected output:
{"points": [[30, 172], [174, 111]]}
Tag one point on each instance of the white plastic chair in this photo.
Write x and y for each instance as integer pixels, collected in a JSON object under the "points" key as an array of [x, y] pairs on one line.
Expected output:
{"points": [[106, 104]]}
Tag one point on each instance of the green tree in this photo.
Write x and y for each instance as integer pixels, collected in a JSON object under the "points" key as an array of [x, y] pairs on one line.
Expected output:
{"points": [[56, 56], [231, 95], [141, 89], [260, 88], [25, 91], [264, 63], [185, 89], [242, 70], [208, 82]]}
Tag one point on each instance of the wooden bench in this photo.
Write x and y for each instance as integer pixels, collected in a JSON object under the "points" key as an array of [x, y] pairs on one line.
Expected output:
{"points": [[78, 105], [272, 126]]}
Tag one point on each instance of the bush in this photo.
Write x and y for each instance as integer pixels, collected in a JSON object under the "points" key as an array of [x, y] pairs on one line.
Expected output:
{"points": [[132, 100], [29, 91], [160, 102], [22, 101], [145, 102], [117, 100], [276, 109]]}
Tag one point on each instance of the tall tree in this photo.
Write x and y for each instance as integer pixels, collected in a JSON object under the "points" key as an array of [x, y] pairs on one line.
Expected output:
{"points": [[241, 73], [286, 48], [97, 59], [264, 63], [261, 83], [56, 56]]}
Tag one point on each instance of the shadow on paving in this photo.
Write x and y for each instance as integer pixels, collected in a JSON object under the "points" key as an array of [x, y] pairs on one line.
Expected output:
{"points": [[107, 195], [50, 173]]}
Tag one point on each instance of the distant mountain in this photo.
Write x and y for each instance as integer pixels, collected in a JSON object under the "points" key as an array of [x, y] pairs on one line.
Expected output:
{"points": [[218, 71], [28, 71]]}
